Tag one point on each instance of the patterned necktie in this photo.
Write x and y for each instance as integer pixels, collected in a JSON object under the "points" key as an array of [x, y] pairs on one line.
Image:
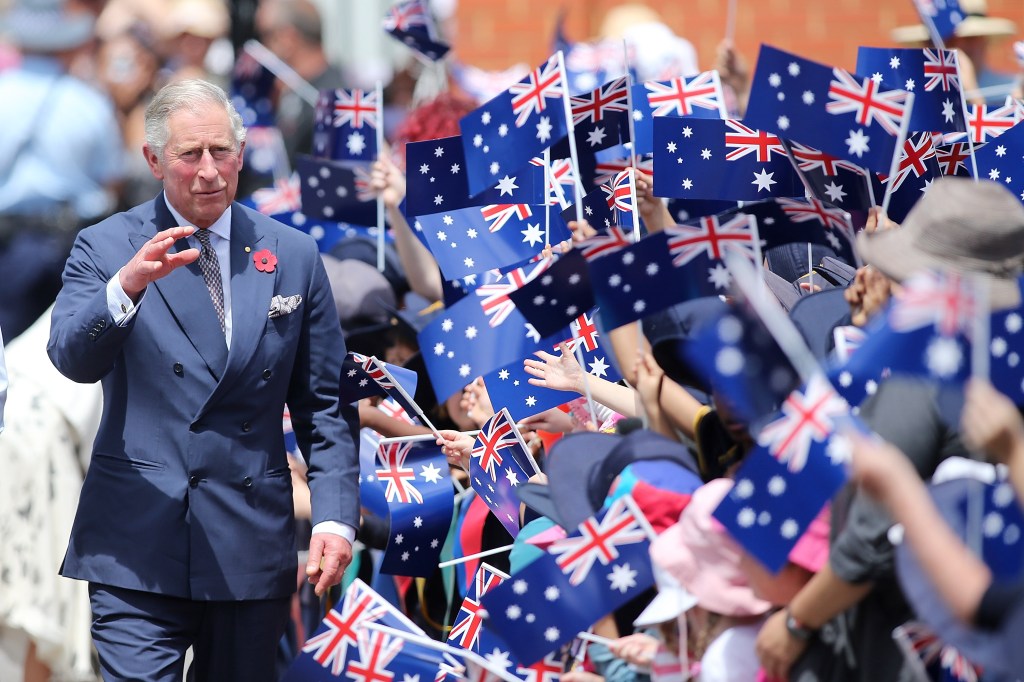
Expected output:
{"points": [[210, 266]]}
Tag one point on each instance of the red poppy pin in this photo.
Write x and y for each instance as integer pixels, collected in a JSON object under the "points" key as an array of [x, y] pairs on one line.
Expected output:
{"points": [[264, 260]]}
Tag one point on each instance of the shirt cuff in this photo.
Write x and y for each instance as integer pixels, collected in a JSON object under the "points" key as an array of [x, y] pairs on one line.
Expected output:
{"points": [[336, 528], [120, 306]]}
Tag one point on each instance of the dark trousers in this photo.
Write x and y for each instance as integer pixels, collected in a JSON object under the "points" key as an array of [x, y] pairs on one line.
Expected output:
{"points": [[144, 636]]}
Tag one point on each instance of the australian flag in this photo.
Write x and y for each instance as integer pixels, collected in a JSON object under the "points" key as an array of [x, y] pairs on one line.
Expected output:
{"points": [[720, 159], [918, 167], [830, 109], [502, 136], [799, 464], [336, 644], [667, 267], [420, 498], [499, 462], [931, 74], [787, 221], [468, 626], [986, 122], [941, 17], [252, 91], [345, 125], [600, 118], [471, 240], [336, 191], [557, 297], [410, 22], [597, 568], [837, 181], [953, 158], [363, 376], [698, 96], [998, 160], [479, 334], [436, 180], [284, 197], [738, 357], [509, 385]]}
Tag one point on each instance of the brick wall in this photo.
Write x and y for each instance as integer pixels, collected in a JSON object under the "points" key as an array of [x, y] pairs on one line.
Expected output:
{"points": [[498, 33]]}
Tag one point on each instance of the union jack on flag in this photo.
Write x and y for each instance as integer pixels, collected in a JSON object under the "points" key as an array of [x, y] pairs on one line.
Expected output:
{"points": [[405, 16], [712, 239], [812, 209], [916, 170], [497, 434], [399, 478], [559, 176], [682, 96], [496, 304], [376, 651], [497, 215], [917, 640], [605, 171], [866, 101], [548, 669], [596, 106], [621, 193], [943, 300], [541, 84], [585, 332], [985, 123], [283, 197], [940, 69], [410, 22], [598, 541], [806, 417], [952, 158], [465, 632], [355, 108], [744, 140], [809, 159], [609, 240]]}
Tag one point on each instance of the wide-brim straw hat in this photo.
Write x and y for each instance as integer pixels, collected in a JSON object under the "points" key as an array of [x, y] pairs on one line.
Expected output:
{"points": [[976, 24], [960, 225]]}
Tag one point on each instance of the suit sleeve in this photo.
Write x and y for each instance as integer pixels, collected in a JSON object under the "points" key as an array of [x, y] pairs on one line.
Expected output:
{"points": [[325, 428], [85, 341]]}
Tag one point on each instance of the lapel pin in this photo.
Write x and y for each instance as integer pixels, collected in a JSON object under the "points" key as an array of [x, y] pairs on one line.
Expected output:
{"points": [[248, 249]]}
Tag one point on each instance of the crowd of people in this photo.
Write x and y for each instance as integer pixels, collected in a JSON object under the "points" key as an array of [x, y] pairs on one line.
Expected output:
{"points": [[152, 515]]}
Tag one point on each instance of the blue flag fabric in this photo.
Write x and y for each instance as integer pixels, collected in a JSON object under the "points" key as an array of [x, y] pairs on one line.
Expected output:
{"points": [[336, 191], [472, 240], [720, 159], [738, 357], [698, 96], [345, 125], [798, 466], [597, 568], [688, 210], [668, 267], [341, 639], [251, 91], [556, 298], [410, 22], [420, 498], [918, 168], [840, 182], [998, 160], [840, 113], [505, 133], [479, 334], [499, 462], [940, 16], [436, 180], [371, 493], [929, 73], [509, 385]]}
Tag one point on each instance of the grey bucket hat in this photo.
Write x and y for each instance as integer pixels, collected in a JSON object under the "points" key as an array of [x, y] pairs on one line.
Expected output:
{"points": [[960, 225], [46, 26]]}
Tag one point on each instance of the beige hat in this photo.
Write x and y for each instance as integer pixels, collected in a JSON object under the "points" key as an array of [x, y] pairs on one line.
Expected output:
{"points": [[976, 23], [960, 225]]}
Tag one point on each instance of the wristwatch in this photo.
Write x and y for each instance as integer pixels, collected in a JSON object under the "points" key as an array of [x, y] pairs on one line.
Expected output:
{"points": [[797, 629]]}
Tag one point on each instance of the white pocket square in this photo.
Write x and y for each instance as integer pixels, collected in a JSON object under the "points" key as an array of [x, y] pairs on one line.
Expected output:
{"points": [[283, 305]]}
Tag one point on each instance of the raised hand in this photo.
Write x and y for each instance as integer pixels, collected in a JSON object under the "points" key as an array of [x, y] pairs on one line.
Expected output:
{"points": [[558, 372], [155, 260]]}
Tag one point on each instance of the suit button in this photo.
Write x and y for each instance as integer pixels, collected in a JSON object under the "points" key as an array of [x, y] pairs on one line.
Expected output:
{"points": [[193, 481], [101, 324], [247, 482], [267, 373], [247, 427], [178, 369]]}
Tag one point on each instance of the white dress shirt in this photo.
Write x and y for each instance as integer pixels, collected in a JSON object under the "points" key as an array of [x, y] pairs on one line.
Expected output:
{"points": [[122, 309]]}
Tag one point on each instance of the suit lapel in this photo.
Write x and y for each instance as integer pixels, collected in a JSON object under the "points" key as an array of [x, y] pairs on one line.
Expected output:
{"points": [[251, 290], [188, 298]]}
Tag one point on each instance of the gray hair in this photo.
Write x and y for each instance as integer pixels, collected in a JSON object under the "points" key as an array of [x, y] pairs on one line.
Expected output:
{"points": [[192, 95]]}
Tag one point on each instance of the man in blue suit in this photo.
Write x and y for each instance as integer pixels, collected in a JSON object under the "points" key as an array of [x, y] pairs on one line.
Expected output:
{"points": [[202, 319]]}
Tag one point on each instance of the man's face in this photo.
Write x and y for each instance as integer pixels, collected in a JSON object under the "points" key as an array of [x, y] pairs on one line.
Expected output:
{"points": [[200, 164]]}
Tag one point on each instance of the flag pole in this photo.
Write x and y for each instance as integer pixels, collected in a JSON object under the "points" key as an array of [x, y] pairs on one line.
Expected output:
{"points": [[549, 186], [896, 154], [282, 70], [470, 557], [629, 107], [967, 127], [572, 137], [636, 209], [980, 370], [730, 21], [379, 91]]}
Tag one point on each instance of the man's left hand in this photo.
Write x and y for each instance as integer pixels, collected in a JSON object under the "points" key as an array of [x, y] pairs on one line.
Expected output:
{"points": [[329, 556]]}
